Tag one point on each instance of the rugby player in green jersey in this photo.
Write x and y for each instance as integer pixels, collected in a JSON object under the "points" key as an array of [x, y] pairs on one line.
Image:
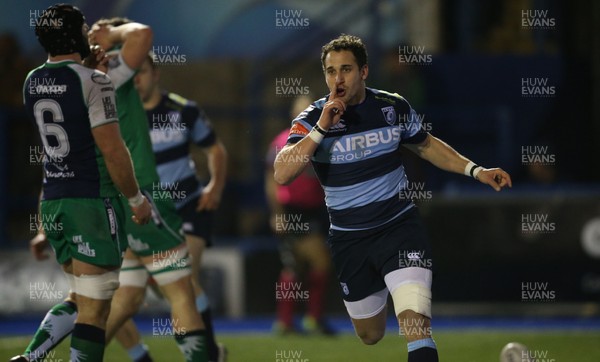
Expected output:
{"points": [[86, 165]]}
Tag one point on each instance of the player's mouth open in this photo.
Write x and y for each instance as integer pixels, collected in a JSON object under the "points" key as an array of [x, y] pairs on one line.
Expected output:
{"points": [[340, 92]]}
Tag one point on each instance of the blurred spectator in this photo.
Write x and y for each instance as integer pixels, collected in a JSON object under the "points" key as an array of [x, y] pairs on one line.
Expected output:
{"points": [[299, 217]]}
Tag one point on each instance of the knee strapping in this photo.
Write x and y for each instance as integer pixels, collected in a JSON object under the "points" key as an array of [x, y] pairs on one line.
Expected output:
{"points": [[98, 286], [413, 296], [174, 265]]}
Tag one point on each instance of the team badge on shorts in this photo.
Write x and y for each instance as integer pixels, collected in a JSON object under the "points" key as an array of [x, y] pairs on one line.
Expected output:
{"points": [[389, 113], [345, 288]]}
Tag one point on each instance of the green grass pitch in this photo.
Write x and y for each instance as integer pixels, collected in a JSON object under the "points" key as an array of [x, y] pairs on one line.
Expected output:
{"points": [[453, 346]]}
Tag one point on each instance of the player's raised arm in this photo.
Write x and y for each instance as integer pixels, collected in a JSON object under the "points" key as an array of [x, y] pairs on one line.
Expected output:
{"points": [[135, 37], [443, 156], [107, 136], [292, 159]]}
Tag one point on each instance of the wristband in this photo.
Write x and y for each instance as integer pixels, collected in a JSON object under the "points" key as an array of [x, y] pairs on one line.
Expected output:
{"points": [[137, 200], [472, 169], [320, 130], [316, 136]]}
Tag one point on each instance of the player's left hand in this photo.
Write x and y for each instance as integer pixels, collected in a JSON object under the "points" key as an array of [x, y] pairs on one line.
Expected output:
{"points": [[497, 178], [38, 246], [100, 35], [209, 200]]}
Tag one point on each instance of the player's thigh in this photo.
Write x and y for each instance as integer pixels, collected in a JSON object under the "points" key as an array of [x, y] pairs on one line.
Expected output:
{"points": [[94, 287], [163, 233], [372, 325], [363, 289], [88, 230], [368, 316], [197, 224], [354, 267], [133, 272], [406, 264]]}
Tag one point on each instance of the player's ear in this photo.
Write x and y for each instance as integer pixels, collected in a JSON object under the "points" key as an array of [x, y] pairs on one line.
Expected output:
{"points": [[364, 72]]}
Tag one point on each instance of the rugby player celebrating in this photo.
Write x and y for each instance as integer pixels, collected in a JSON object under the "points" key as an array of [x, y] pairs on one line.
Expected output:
{"points": [[352, 137]]}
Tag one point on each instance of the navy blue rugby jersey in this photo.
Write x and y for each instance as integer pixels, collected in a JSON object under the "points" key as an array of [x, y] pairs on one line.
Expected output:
{"points": [[66, 100], [174, 123], [358, 162]]}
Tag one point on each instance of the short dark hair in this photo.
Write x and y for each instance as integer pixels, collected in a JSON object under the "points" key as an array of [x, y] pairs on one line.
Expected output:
{"points": [[346, 42], [116, 21]]}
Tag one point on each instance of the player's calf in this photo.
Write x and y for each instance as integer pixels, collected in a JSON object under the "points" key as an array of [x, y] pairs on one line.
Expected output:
{"points": [[172, 272], [411, 293]]}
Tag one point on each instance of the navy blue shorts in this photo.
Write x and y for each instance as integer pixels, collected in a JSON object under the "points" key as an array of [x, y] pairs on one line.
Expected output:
{"points": [[363, 258], [197, 223]]}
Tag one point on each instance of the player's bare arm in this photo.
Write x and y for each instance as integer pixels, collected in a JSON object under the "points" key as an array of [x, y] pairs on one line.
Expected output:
{"points": [[118, 162], [217, 168], [443, 156], [135, 37], [292, 159]]}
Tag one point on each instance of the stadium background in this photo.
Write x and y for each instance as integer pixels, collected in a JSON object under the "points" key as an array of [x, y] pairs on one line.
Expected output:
{"points": [[233, 58]]}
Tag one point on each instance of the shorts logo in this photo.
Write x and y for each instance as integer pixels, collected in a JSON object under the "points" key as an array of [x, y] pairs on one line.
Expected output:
{"points": [[84, 248], [136, 244], [389, 113], [345, 288], [112, 222], [339, 127], [414, 255], [414, 259]]}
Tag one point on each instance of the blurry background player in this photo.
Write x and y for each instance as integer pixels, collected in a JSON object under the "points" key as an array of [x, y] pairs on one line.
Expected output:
{"points": [[303, 252], [373, 228], [84, 151], [159, 248], [175, 123], [162, 252]]}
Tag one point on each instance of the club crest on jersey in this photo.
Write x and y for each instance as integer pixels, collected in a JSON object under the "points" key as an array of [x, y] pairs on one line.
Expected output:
{"points": [[389, 113], [345, 288], [100, 78]]}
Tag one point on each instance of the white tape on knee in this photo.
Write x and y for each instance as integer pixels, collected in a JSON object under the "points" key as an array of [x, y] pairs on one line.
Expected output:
{"points": [[133, 274], [170, 266], [71, 282], [99, 286], [413, 296]]}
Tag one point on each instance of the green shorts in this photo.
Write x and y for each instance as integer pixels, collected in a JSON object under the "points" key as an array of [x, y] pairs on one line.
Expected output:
{"points": [[89, 230], [163, 232]]}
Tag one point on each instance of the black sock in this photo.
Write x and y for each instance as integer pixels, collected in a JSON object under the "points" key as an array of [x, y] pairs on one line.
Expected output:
{"points": [[87, 343], [212, 348], [424, 354]]}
